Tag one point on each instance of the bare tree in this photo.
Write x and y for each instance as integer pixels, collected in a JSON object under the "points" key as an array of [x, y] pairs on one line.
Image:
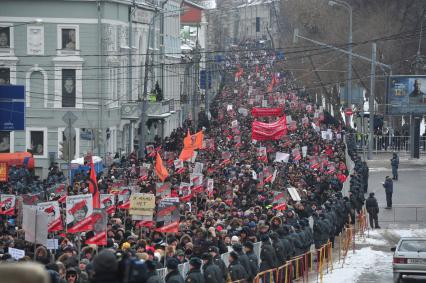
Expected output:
{"points": [[392, 24]]}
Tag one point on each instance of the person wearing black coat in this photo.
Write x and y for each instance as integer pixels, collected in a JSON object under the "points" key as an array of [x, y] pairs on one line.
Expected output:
{"points": [[174, 275], [152, 275], [253, 260], [194, 274], [217, 260], [267, 255], [235, 268], [388, 185], [288, 247], [243, 258], [279, 248], [211, 272], [373, 211]]}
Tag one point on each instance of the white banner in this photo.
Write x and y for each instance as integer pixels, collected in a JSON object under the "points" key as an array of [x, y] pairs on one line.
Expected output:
{"points": [[282, 157], [34, 224]]}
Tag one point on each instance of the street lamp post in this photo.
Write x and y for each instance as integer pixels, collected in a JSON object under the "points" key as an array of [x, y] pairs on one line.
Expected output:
{"points": [[349, 82]]}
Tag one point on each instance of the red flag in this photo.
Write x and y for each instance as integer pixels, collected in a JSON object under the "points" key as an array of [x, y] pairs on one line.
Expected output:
{"points": [[160, 170], [99, 239], [198, 142], [145, 223], [186, 198], [188, 148], [125, 205], [93, 186], [169, 228], [282, 206]]}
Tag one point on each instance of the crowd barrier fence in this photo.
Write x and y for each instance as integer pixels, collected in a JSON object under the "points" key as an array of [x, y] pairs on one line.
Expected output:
{"points": [[316, 262]]}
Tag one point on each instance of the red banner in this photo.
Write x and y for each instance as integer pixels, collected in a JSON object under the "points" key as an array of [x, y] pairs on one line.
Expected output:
{"points": [[169, 228], [264, 112], [82, 226], [99, 239], [269, 131]]}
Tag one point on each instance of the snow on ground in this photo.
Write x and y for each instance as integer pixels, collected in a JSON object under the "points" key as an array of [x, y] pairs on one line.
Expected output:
{"points": [[372, 260], [356, 264]]}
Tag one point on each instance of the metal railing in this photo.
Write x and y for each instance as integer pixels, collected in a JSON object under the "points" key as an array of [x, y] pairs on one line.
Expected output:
{"points": [[387, 144], [403, 214]]}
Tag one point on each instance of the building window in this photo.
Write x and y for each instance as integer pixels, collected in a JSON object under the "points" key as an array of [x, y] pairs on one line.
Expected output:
{"points": [[68, 42], [5, 142], [4, 37], [68, 88], [37, 142], [4, 76], [68, 39]]}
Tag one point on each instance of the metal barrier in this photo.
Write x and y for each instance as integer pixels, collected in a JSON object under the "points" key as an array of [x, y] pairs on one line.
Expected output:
{"points": [[403, 214], [386, 143], [298, 267]]}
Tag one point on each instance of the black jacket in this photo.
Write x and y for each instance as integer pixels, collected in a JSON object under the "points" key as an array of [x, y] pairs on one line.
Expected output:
{"points": [[237, 271], [222, 266], [245, 262], [254, 264], [372, 205], [212, 273], [153, 277], [268, 257], [194, 276], [174, 277]]}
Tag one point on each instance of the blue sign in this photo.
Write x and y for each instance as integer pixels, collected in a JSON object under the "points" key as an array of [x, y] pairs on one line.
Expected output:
{"points": [[12, 108], [406, 95]]}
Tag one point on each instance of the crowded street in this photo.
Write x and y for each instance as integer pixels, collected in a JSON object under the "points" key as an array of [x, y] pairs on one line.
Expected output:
{"points": [[212, 141]]}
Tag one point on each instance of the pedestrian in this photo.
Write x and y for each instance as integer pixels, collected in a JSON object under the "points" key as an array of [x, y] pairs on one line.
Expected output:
{"points": [[373, 211], [395, 164], [194, 274], [152, 275], [253, 259], [173, 275], [236, 269], [211, 271], [105, 267], [243, 258], [388, 185], [217, 260]]}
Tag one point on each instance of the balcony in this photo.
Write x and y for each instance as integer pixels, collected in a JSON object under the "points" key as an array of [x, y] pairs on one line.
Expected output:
{"points": [[155, 110]]}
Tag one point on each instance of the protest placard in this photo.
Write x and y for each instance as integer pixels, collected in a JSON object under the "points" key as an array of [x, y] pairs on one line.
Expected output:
{"points": [[142, 204]]}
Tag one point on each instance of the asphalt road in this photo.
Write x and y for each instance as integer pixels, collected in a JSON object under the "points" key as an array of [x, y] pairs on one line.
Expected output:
{"points": [[409, 206]]}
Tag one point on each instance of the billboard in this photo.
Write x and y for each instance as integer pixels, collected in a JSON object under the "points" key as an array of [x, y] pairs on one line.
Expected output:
{"points": [[12, 108], [406, 95]]}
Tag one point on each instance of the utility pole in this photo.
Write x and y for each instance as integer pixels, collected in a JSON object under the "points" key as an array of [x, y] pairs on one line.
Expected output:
{"points": [[371, 101], [145, 88], [206, 93], [416, 119]]}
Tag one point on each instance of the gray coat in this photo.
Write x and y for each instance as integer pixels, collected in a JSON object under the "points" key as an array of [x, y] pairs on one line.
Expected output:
{"points": [[212, 273]]}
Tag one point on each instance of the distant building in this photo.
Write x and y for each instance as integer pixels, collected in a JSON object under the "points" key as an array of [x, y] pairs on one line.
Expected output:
{"points": [[233, 22]]}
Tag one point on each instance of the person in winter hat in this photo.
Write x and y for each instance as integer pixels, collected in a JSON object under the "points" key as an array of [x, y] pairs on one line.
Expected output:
{"points": [[105, 267]]}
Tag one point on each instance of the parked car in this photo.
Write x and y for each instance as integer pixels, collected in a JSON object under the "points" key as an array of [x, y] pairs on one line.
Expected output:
{"points": [[409, 258]]}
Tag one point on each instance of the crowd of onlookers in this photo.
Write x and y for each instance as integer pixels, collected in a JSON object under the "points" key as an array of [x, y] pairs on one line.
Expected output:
{"points": [[242, 208]]}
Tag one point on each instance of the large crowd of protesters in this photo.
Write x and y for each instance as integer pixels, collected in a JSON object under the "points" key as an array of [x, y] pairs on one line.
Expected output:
{"points": [[241, 209]]}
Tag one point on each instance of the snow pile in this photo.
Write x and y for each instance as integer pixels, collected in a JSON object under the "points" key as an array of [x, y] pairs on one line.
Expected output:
{"points": [[356, 264]]}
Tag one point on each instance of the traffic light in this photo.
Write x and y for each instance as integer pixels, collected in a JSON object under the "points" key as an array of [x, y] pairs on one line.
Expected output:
{"points": [[63, 149]]}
